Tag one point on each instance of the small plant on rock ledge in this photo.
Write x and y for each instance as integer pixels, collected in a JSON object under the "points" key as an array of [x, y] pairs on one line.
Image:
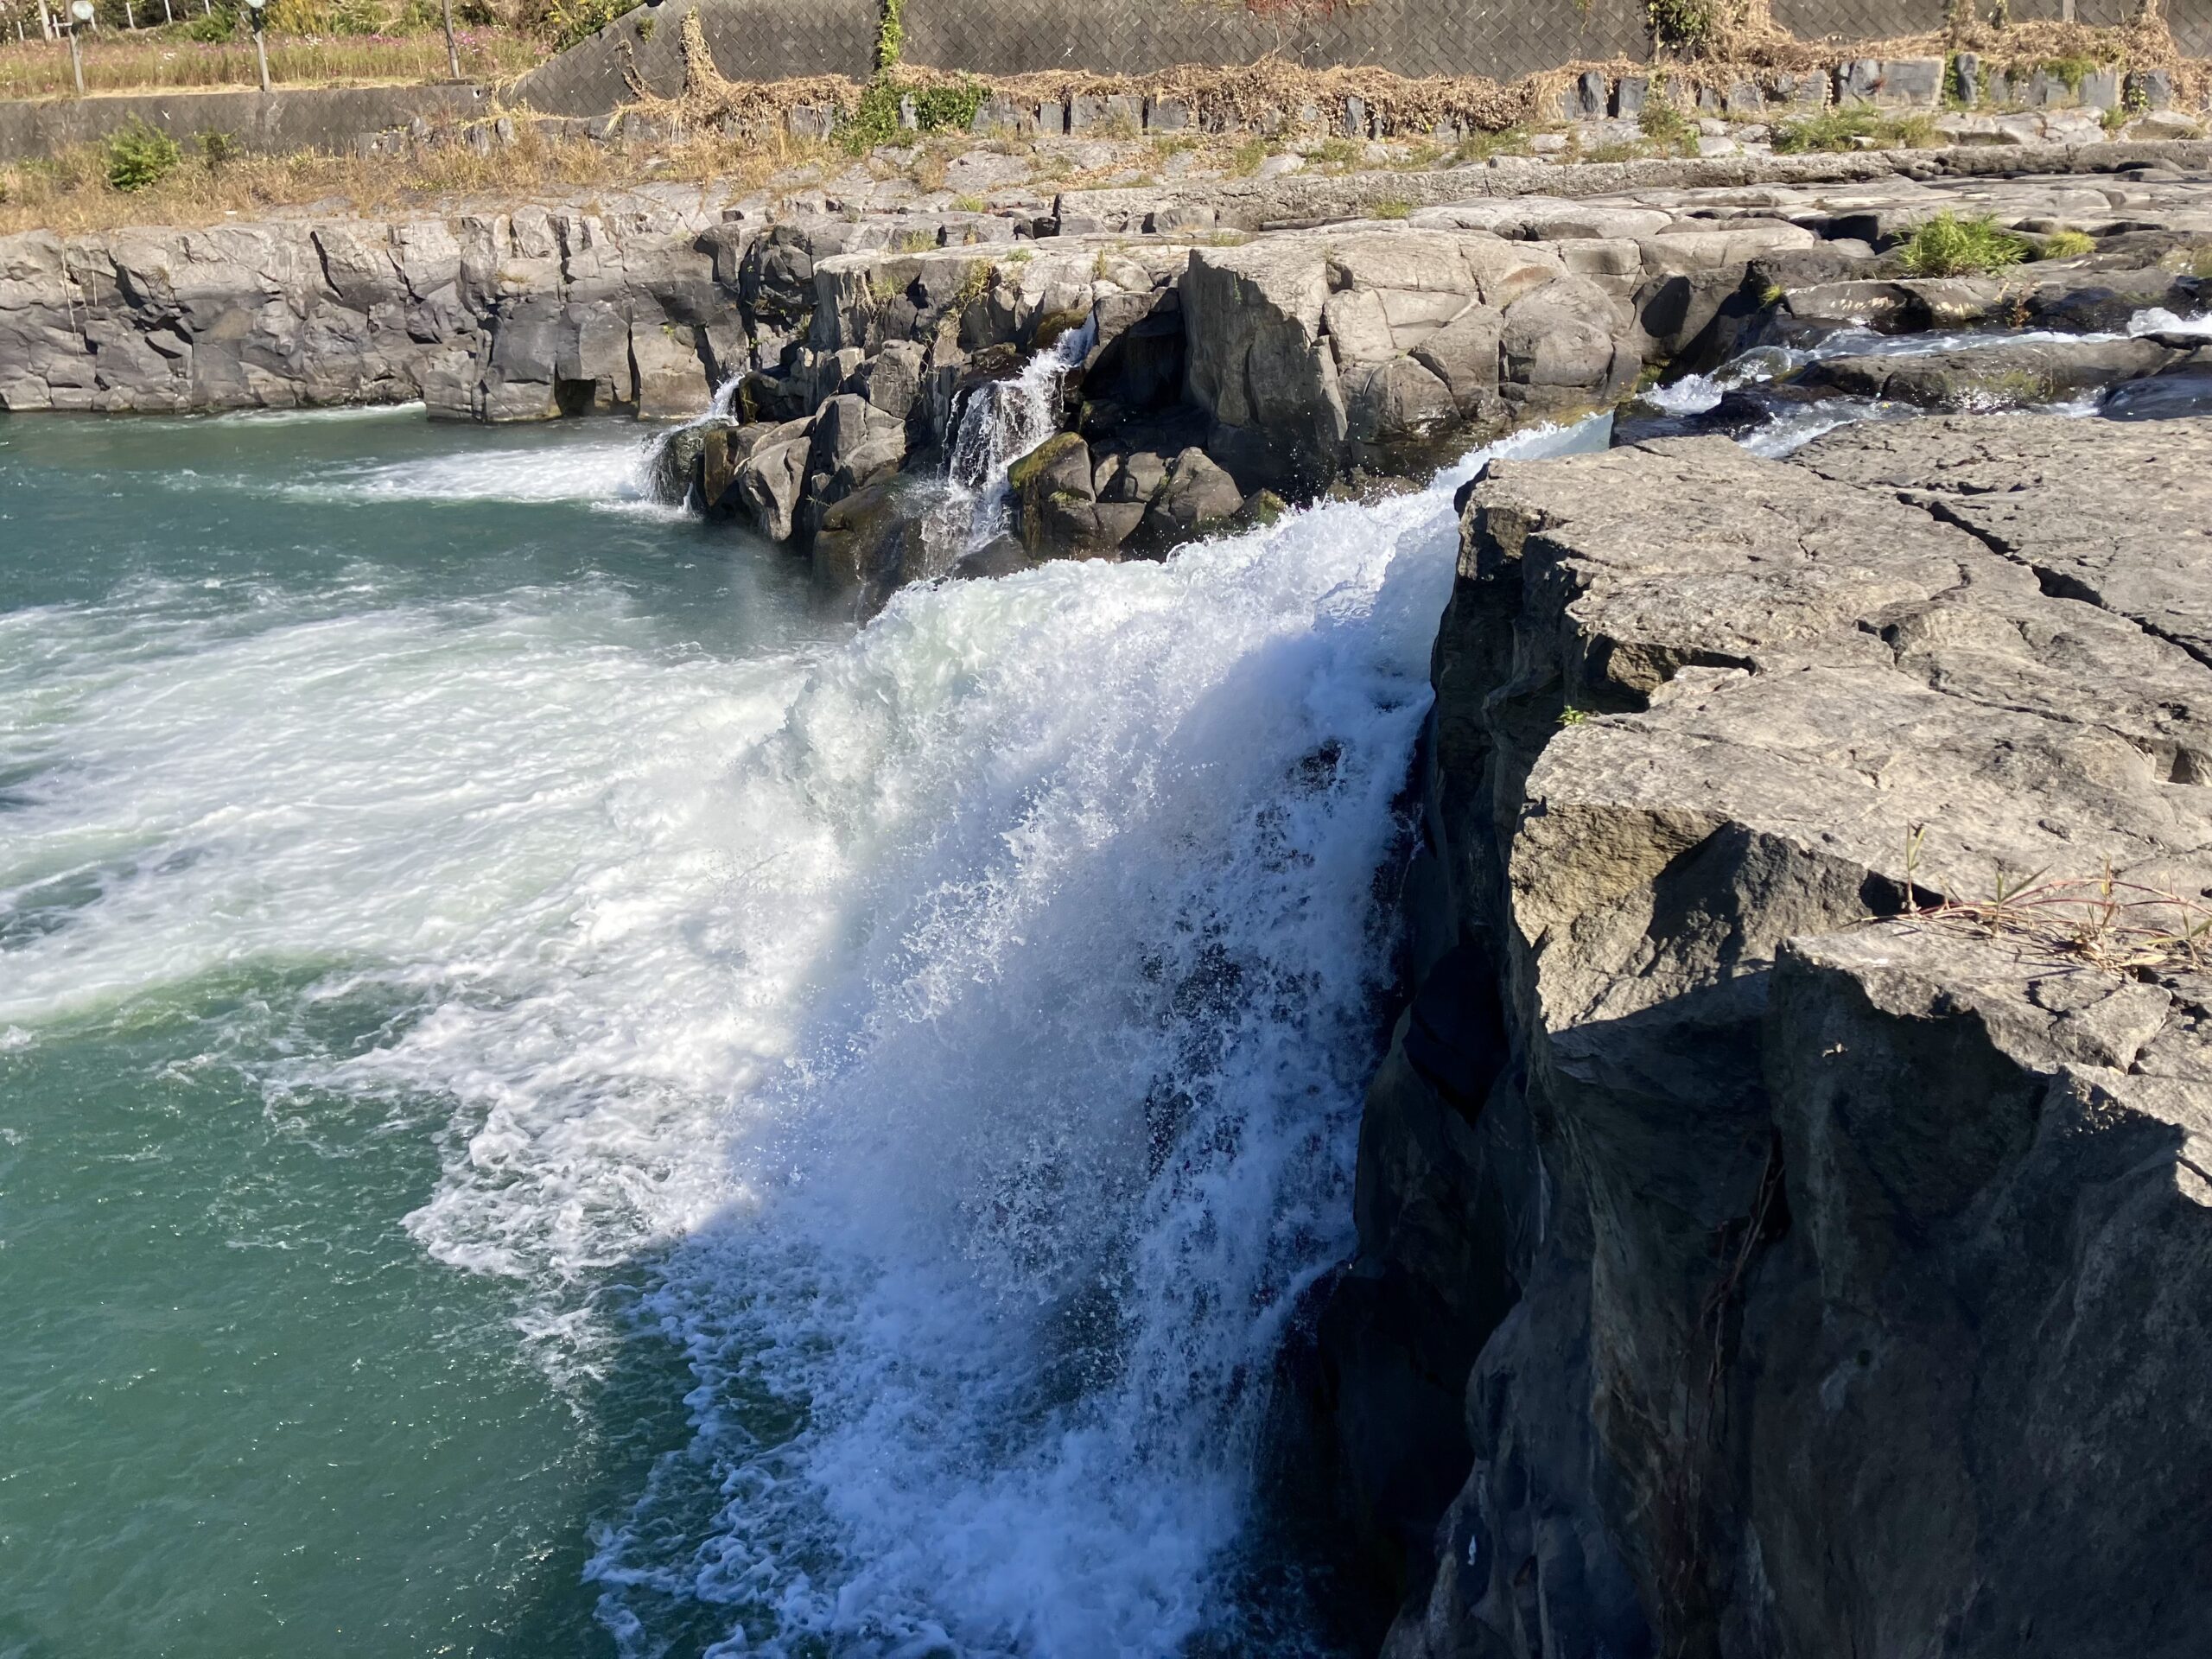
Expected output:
{"points": [[137, 156], [1948, 245]]}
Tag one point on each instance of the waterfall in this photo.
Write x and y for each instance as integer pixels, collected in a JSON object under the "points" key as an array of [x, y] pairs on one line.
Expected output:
{"points": [[996, 425], [665, 470]]}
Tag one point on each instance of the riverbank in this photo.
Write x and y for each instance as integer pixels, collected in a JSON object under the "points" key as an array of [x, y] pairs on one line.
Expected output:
{"points": [[1795, 1107]]}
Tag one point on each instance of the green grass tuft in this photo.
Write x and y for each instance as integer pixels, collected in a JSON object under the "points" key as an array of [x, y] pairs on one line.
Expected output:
{"points": [[1948, 245], [1837, 129], [137, 156]]}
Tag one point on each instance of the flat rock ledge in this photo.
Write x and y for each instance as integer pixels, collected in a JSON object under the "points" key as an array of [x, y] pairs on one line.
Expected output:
{"points": [[1740, 1274]]}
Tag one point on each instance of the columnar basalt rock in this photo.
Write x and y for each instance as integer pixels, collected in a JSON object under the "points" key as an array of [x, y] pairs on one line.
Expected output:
{"points": [[1822, 1273], [1295, 362]]}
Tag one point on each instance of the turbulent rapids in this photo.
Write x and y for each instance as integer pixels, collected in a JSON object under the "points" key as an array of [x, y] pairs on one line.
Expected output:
{"points": [[942, 1042]]}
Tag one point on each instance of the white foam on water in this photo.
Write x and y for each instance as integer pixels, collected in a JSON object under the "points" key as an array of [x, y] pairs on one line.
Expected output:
{"points": [[966, 1023], [611, 472], [347, 412], [2159, 321]]}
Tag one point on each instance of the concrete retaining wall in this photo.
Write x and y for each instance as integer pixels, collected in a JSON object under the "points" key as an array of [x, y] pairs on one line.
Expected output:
{"points": [[328, 119], [751, 39], [768, 39]]}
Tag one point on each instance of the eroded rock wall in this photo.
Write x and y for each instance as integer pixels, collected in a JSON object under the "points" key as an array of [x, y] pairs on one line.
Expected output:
{"points": [[1833, 1284]]}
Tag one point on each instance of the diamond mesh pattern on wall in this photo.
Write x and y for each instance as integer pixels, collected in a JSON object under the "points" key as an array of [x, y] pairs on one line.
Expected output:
{"points": [[1499, 38], [1862, 20], [2191, 22], [751, 39]]}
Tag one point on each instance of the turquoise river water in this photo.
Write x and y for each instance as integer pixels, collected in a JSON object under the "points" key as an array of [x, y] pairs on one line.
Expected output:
{"points": [[556, 1097]]}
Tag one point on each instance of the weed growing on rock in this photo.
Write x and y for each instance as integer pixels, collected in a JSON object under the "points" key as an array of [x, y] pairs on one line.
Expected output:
{"points": [[2067, 245], [1391, 208], [1666, 127], [1485, 146], [1948, 245], [1840, 129], [2122, 927], [137, 156], [1245, 161]]}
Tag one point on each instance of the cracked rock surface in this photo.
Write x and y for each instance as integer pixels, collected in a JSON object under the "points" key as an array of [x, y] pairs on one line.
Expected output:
{"points": [[1836, 1273]]}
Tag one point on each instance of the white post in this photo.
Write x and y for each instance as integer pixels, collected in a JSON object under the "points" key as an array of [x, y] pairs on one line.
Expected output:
{"points": [[129, 17], [76, 63]]}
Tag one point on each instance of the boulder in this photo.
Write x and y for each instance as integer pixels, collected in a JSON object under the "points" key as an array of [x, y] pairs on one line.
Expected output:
{"points": [[870, 543], [1258, 365], [1055, 496], [1464, 356], [1399, 399], [1558, 339], [770, 477], [1196, 496], [2011, 375], [1886, 1235], [671, 379]]}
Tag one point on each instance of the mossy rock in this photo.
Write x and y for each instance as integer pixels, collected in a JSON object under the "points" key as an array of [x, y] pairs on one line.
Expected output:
{"points": [[1041, 459], [1053, 325]]}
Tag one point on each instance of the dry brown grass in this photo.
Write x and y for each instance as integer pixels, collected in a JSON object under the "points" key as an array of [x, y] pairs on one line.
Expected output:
{"points": [[70, 194], [2101, 921], [157, 60]]}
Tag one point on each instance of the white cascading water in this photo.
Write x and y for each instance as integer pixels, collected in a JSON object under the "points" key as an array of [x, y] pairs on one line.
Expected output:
{"points": [[999, 422], [960, 1027], [964, 1025]]}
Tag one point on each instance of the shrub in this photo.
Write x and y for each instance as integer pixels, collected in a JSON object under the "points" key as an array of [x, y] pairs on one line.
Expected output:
{"points": [[1684, 25], [1663, 125], [136, 157], [216, 147], [1854, 128], [941, 108], [1948, 245]]}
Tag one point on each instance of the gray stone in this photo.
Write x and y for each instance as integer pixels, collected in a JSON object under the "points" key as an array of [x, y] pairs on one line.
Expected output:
{"points": [[1697, 717], [1397, 399], [1167, 115], [1196, 496], [2149, 89], [1464, 357], [1994, 377], [769, 482]]}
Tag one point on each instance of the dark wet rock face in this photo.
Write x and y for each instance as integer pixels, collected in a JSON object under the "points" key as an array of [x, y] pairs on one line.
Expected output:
{"points": [[1807, 1284], [2018, 373]]}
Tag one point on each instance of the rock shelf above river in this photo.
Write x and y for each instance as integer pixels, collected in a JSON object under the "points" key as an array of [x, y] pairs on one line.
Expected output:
{"points": [[1810, 1053]]}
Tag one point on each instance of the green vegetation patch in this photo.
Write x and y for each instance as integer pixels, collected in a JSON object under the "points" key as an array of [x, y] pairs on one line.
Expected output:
{"points": [[1948, 245], [1854, 128], [1666, 127], [1685, 25], [136, 157], [943, 106]]}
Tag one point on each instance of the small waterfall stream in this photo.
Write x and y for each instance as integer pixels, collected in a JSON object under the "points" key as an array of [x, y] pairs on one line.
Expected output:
{"points": [[996, 424]]}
